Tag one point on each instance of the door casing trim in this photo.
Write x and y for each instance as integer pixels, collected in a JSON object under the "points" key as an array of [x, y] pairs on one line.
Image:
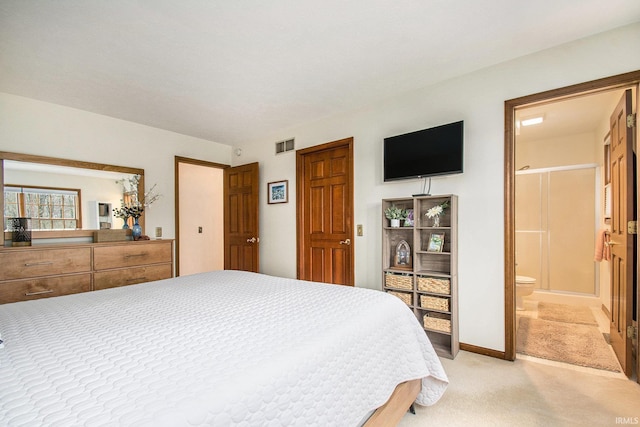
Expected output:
{"points": [[510, 106], [176, 162]]}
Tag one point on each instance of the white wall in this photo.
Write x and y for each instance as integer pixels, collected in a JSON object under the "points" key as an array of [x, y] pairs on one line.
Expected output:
{"points": [[564, 150], [35, 127], [478, 99]]}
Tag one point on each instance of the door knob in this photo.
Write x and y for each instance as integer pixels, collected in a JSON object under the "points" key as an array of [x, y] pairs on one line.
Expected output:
{"points": [[345, 242], [252, 240]]}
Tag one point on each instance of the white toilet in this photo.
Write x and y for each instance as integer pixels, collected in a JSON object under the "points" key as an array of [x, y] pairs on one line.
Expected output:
{"points": [[524, 287]]}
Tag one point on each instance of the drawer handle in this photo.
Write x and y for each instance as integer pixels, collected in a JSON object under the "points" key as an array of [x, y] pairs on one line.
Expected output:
{"points": [[135, 255], [35, 264], [30, 294], [133, 279]]}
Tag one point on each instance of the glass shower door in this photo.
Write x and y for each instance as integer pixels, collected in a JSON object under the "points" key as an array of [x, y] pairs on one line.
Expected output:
{"points": [[571, 225], [555, 228]]}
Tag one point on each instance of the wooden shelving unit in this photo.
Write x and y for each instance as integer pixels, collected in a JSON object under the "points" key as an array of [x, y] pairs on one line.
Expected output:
{"points": [[426, 280]]}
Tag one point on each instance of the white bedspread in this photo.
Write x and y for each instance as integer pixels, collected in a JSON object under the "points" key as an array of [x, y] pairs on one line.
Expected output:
{"points": [[221, 348]]}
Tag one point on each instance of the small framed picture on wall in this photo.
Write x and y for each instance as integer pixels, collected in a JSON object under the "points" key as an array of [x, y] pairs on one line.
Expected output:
{"points": [[278, 192]]}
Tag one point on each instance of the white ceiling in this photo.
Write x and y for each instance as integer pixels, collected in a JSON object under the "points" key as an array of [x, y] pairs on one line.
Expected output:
{"points": [[571, 116], [232, 71]]}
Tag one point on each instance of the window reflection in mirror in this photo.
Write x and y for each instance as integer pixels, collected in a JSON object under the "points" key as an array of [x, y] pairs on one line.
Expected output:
{"points": [[58, 197], [49, 208]]}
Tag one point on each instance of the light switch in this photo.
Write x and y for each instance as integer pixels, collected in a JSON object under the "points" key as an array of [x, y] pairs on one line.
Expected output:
{"points": [[158, 232], [200, 230], [359, 230]]}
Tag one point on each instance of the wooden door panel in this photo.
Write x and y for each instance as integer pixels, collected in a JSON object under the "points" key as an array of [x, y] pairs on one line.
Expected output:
{"points": [[325, 213], [234, 208], [234, 257], [330, 265], [338, 166], [618, 272], [622, 244], [316, 169], [338, 202], [340, 274], [245, 214], [241, 218], [316, 207], [317, 264], [241, 258]]}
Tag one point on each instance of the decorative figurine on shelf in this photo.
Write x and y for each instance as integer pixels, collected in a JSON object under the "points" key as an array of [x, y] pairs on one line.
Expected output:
{"points": [[395, 214], [435, 212], [402, 258]]}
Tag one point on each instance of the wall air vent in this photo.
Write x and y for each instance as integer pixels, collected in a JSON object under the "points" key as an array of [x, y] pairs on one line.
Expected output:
{"points": [[284, 146]]}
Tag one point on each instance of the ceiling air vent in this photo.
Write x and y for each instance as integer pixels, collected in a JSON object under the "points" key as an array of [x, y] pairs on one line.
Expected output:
{"points": [[284, 146]]}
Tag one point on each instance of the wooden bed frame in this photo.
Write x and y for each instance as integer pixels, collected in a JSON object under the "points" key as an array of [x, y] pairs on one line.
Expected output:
{"points": [[397, 406]]}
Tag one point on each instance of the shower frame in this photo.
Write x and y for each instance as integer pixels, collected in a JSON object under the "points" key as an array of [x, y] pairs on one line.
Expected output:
{"points": [[541, 231]]}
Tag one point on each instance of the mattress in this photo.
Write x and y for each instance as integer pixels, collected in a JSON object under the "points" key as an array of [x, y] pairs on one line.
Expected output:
{"points": [[219, 348]]}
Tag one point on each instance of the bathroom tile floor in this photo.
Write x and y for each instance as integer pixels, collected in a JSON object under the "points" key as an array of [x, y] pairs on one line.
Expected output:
{"points": [[531, 310]]}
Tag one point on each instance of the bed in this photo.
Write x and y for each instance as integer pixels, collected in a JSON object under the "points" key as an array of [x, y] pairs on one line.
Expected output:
{"points": [[219, 348]]}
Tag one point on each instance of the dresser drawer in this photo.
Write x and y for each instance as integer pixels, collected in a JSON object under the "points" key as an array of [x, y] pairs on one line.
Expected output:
{"points": [[131, 276], [30, 263], [25, 290], [131, 254]]}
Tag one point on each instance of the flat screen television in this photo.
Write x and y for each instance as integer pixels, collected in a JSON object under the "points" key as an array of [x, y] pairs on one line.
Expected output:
{"points": [[424, 153]]}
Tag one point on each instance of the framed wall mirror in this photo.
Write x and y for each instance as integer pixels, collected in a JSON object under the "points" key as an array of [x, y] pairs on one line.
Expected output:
{"points": [[85, 193]]}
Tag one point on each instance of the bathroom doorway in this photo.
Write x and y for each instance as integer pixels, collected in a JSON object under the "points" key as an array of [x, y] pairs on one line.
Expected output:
{"points": [[558, 182], [562, 157]]}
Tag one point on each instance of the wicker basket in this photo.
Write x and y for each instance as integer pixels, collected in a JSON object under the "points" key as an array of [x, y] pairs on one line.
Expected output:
{"points": [[437, 322], [398, 281], [434, 303], [432, 284], [405, 297]]}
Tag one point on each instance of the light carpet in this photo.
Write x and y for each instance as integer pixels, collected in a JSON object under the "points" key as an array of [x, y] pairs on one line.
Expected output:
{"points": [[488, 392], [566, 313], [576, 344]]}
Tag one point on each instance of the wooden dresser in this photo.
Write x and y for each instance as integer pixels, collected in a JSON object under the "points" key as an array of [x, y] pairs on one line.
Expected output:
{"points": [[50, 270]]}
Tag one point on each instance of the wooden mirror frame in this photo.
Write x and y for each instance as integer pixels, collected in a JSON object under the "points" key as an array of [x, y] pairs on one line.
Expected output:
{"points": [[30, 158]]}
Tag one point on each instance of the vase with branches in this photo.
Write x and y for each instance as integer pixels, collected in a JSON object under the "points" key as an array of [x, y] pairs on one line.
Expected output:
{"points": [[134, 205]]}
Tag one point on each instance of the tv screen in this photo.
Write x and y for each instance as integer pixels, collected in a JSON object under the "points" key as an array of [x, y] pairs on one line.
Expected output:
{"points": [[427, 152]]}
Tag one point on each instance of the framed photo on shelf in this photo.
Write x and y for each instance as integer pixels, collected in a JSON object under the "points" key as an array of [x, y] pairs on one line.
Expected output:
{"points": [[278, 192], [436, 242]]}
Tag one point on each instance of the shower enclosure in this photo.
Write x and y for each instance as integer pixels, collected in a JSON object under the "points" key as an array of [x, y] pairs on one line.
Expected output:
{"points": [[556, 216]]}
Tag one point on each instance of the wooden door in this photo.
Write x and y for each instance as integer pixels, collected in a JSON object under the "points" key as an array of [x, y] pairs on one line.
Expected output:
{"points": [[325, 213], [241, 236], [637, 288], [622, 243]]}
